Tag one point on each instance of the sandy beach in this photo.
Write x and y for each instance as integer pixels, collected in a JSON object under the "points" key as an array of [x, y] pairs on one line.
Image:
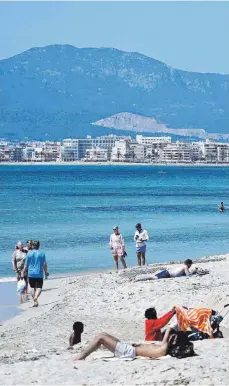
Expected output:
{"points": [[34, 343], [82, 163]]}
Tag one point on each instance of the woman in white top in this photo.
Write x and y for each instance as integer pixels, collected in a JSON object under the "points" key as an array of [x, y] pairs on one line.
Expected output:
{"points": [[117, 247]]}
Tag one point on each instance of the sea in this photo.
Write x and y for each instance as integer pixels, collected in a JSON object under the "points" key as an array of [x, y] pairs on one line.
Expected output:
{"points": [[72, 210]]}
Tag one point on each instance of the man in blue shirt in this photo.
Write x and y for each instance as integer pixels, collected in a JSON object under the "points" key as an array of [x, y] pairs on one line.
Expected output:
{"points": [[36, 265]]}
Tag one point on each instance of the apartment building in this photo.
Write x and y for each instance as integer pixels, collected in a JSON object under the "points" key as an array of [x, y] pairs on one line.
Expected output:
{"points": [[176, 152]]}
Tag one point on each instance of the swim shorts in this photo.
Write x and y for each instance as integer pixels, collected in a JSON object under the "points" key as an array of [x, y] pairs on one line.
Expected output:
{"points": [[125, 350], [141, 249], [163, 274], [36, 282]]}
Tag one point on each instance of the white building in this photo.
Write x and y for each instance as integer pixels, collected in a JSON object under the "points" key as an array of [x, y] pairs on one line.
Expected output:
{"points": [[176, 152], [160, 141], [97, 155]]}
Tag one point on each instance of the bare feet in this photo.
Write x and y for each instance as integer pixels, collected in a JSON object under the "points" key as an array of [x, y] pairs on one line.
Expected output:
{"points": [[35, 303]]}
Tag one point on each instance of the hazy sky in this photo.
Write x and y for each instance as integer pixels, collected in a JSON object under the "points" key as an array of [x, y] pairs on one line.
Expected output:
{"points": [[188, 35]]}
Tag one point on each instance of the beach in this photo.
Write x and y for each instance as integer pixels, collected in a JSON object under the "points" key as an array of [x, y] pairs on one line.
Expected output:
{"points": [[34, 343], [88, 163]]}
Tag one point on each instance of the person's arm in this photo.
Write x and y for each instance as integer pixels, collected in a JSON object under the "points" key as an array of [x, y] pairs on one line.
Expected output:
{"points": [[167, 335], [25, 269], [186, 271], [111, 243], [45, 266], [161, 322], [14, 261], [145, 236], [136, 236]]}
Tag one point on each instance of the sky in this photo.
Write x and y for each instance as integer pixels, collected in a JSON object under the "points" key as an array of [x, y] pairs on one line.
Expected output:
{"points": [[192, 36]]}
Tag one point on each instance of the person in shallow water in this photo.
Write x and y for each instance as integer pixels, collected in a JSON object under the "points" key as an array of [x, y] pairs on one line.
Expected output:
{"points": [[221, 207], [140, 237], [117, 247], [18, 262]]}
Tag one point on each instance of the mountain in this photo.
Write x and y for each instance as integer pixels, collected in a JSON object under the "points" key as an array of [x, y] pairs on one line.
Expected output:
{"points": [[140, 124], [57, 91]]}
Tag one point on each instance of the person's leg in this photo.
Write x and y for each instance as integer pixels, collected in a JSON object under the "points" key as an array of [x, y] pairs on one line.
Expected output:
{"points": [[123, 262], [116, 262], [104, 339], [39, 285], [139, 258], [143, 258]]}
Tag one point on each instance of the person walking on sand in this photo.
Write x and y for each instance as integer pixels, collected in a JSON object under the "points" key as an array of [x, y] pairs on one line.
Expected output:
{"points": [[18, 262], [36, 265], [141, 236], [117, 247]]}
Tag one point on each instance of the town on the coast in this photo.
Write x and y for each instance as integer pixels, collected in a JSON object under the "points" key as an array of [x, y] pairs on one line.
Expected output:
{"points": [[113, 148]]}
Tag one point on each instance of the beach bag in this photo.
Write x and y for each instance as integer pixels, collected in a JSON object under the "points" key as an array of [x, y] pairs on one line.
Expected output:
{"points": [[21, 284], [182, 351], [180, 346]]}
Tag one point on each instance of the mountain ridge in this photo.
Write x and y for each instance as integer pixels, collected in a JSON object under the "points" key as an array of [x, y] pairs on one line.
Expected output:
{"points": [[60, 90]]}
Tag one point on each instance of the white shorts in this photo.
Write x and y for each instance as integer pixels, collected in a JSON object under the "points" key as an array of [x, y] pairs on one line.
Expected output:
{"points": [[125, 350]]}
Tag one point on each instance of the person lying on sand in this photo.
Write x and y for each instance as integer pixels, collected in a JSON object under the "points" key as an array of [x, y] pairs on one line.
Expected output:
{"points": [[75, 337], [125, 350], [153, 324], [183, 270]]}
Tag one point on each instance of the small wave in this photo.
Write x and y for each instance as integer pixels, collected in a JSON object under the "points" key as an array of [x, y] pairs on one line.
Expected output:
{"points": [[7, 279]]}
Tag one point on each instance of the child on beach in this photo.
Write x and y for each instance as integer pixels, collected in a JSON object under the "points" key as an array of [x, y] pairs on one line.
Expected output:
{"points": [[153, 324], [75, 337]]}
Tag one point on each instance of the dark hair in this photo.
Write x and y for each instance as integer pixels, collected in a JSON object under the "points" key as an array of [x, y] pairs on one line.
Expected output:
{"points": [[138, 225], [221, 202], [151, 313], [179, 346], [29, 242], [188, 262], [36, 244], [78, 327]]}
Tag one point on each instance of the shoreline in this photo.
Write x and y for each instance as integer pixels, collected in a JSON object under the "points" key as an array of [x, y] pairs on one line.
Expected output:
{"points": [[16, 308], [81, 163]]}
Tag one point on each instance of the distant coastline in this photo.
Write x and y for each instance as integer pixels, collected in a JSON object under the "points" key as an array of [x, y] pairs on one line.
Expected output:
{"points": [[81, 163]]}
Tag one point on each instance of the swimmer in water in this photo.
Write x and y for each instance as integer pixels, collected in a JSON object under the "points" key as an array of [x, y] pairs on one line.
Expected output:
{"points": [[221, 207]]}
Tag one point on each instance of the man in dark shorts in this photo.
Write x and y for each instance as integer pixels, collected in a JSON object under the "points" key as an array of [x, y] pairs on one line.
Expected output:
{"points": [[36, 265]]}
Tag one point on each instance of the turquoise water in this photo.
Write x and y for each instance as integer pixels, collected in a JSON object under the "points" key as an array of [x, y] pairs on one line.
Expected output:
{"points": [[72, 209]]}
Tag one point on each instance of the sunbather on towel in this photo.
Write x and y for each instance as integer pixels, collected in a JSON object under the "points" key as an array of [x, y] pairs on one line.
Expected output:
{"points": [[153, 324], [125, 350], [183, 270]]}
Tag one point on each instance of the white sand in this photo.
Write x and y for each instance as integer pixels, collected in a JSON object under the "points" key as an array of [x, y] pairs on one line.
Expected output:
{"points": [[33, 344]]}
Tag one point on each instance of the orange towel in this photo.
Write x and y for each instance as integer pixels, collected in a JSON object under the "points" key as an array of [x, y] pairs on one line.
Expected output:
{"points": [[198, 318]]}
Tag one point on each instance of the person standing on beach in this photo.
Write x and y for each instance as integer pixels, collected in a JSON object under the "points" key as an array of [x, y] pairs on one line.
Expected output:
{"points": [[117, 247], [36, 265], [141, 236]]}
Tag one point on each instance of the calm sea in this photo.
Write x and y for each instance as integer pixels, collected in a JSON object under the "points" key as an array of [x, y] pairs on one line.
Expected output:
{"points": [[72, 209]]}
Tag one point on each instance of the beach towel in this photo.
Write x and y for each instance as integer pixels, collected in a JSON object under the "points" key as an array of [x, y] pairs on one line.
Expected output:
{"points": [[198, 318]]}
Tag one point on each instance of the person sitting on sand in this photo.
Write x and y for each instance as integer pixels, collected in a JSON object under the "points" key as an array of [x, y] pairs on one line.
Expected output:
{"points": [[36, 264], [153, 324], [75, 337], [173, 344], [221, 207], [178, 272]]}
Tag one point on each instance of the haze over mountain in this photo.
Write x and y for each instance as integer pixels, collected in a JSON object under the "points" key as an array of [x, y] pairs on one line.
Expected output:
{"points": [[58, 91]]}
